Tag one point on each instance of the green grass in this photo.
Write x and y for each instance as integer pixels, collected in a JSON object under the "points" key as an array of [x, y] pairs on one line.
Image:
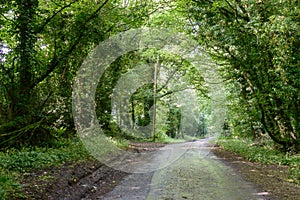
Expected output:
{"points": [[30, 158], [9, 187], [265, 154], [14, 162]]}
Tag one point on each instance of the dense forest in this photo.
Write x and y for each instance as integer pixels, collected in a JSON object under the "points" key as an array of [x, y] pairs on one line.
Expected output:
{"points": [[254, 45]]}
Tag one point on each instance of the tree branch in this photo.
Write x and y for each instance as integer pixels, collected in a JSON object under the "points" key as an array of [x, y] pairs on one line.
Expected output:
{"points": [[55, 14], [216, 83], [1, 14], [174, 91], [239, 3], [167, 82], [56, 60]]}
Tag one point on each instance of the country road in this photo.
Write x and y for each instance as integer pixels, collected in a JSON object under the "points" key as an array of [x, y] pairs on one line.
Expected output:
{"points": [[195, 174]]}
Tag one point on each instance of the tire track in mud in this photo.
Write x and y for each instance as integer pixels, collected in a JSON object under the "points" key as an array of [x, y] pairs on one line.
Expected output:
{"points": [[84, 180], [93, 180], [89, 179], [86, 184]]}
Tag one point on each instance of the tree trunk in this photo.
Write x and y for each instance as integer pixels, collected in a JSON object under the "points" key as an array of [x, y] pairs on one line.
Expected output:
{"points": [[25, 26]]}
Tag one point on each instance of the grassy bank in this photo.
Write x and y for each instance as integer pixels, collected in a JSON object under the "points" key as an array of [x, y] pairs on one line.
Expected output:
{"points": [[263, 153], [13, 163]]}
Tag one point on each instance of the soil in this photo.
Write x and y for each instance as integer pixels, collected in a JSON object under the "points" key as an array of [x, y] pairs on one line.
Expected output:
{"points": [[72, 181], [90, 179], [86, 179], [272, 179]]}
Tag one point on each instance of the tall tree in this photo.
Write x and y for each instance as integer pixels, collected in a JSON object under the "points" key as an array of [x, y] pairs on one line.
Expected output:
{"points": [[44, 43], [257, 44]]}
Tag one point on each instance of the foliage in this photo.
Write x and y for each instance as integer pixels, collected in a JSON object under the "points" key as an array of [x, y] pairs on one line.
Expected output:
{"points": [[43, 43], [119, 142], [263, 153], [9, 187], [256, 44], [42, 46], [29, 158], [13, 162]]}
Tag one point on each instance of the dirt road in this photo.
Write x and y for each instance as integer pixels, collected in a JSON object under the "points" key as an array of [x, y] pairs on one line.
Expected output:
{"points": [[184, 171], [195, 174]]}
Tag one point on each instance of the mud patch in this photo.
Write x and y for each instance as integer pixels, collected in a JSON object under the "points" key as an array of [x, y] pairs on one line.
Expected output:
{"points": [[88, 179], [83, 180]]}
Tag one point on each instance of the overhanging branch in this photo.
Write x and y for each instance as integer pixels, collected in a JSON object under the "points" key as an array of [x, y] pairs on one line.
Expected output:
{"points": [[56, 60], [47, 21]]}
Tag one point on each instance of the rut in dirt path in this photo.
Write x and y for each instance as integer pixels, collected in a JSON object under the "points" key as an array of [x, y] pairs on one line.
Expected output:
{"points": [[196, 174]]}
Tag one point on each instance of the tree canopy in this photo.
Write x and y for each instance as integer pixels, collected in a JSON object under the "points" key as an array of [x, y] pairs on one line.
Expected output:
{"points": [[255, 46]]}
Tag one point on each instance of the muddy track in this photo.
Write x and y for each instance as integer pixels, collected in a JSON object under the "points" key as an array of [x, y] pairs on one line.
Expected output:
{"points": [[91, 179], [84, 180], [85, 184], [87, 179]]}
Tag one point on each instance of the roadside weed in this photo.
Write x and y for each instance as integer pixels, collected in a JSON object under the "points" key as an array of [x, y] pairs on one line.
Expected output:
{"points": [[265, 154]]}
